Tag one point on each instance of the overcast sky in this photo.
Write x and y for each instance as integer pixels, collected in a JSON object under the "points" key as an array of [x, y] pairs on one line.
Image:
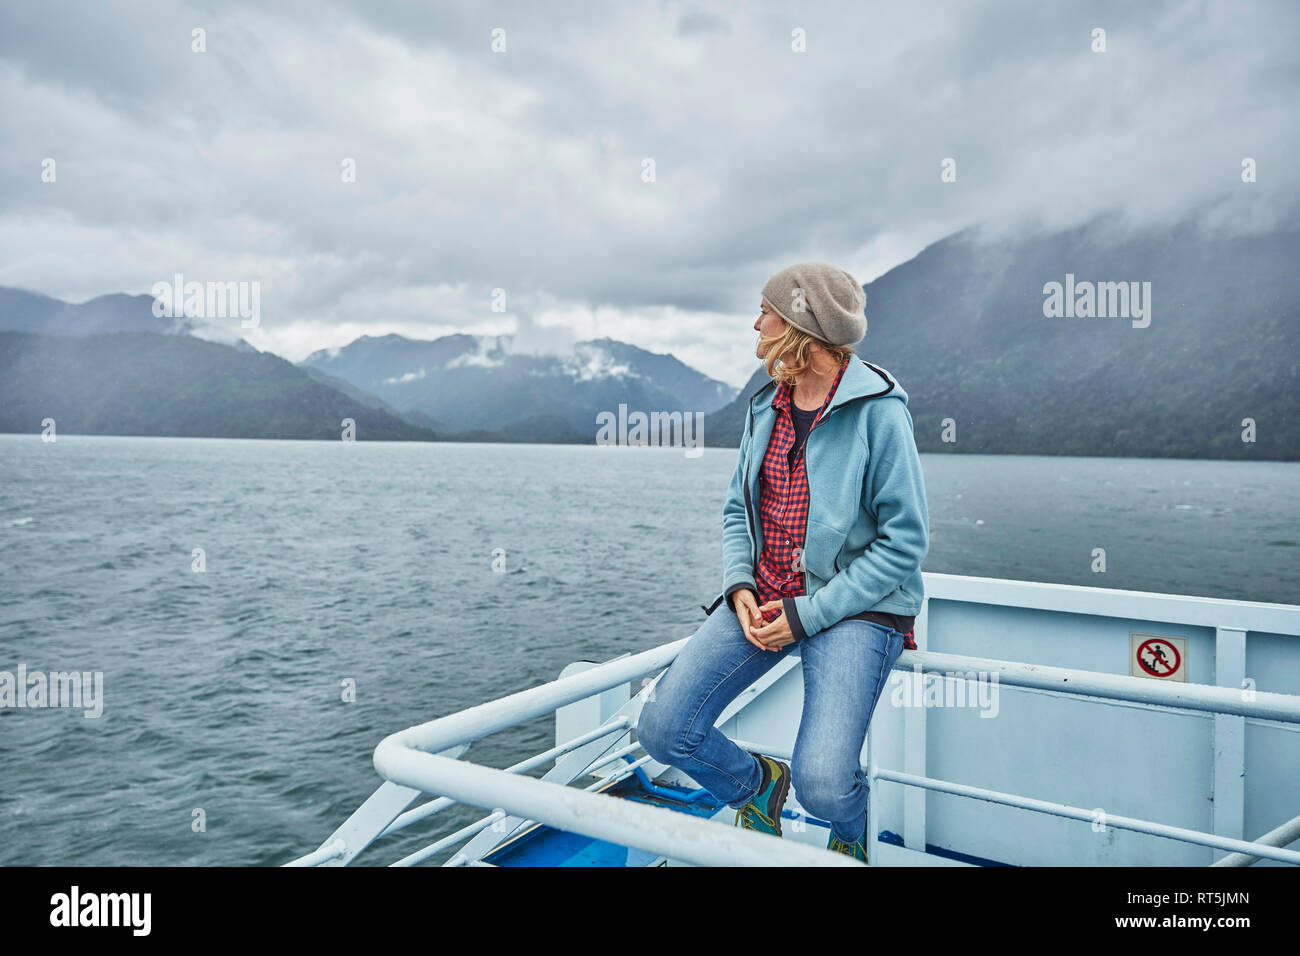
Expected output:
{"points": [[524, 170]]}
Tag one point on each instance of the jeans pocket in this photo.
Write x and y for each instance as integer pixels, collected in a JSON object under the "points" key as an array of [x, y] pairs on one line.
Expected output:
{"points": [[893, 647], [890, 634], [896, 641]]}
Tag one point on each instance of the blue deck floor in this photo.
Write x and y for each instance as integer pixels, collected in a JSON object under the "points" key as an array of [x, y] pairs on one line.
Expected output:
{"points": [[544, 845]]}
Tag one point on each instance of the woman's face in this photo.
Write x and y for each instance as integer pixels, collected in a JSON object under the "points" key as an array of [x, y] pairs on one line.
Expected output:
{"points": [[768, 325]]}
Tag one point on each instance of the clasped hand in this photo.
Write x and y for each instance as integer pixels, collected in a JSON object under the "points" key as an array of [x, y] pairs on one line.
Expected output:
{"points": [[768, 637]]}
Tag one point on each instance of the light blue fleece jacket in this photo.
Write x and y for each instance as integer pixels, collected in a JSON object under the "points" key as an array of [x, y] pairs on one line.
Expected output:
{"points": [[868, 524]]}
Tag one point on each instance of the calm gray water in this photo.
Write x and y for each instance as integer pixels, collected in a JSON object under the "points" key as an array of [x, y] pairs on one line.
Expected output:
{"points": [[373, 562]]}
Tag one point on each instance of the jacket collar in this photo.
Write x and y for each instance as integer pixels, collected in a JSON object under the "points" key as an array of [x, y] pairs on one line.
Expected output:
{"points": [[860, 380]]}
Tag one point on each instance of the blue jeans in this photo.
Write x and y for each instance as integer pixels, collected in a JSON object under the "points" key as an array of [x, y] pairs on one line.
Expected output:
{"points": [[844, 670]]}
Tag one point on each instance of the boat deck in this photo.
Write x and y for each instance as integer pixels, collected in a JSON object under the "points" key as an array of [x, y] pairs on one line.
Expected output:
{"points": [[546, 846], [542, 845], [1035, 725]]}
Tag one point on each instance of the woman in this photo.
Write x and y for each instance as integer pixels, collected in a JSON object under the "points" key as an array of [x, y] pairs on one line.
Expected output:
{"points": [[824, 530]]}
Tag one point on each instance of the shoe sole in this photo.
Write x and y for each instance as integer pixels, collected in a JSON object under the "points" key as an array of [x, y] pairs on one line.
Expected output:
{"points": [[782, 793]]}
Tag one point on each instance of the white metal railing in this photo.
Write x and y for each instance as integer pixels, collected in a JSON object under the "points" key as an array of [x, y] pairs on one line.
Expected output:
{"points": [[413, 761], [1068, 680], [1287, 833], [1231, 621], [404, 760], [1258, 849], [424, 759], [409, 758]]}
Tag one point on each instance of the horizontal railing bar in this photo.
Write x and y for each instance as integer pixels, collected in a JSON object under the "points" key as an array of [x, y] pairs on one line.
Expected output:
{"points": [[1068, 680], [631, 768], [1257, 616], [492, 716], [1284, 835], [619, 724], [414, 815], [495, 715], [627, 771], [328, 852], [610, 758], [624, 822], [1088, 816], [463, 833], [484, 822]]}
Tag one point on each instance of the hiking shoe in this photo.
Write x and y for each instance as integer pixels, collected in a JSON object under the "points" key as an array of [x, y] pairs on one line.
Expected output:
{"points": [[763, 811], [856, 850]]}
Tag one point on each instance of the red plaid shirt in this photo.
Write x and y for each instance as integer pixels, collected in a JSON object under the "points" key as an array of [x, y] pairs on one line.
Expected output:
{"points": [[783, 505]]}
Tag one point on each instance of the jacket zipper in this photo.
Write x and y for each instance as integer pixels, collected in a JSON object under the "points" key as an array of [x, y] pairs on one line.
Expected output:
{"points": [[803, 549], [753, 536], [821, 418]]}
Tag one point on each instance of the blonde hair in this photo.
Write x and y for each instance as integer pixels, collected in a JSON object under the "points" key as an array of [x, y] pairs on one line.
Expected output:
{"points": [[790, 353]]}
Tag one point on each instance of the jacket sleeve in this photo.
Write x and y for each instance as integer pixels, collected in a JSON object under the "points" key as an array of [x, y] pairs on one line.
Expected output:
{"points": [[894, 491], [737, 548]]}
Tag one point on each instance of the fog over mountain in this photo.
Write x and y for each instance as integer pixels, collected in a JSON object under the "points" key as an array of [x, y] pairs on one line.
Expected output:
{"points": [[478, 383], [23, 311], [633, 171], [962, 328]]}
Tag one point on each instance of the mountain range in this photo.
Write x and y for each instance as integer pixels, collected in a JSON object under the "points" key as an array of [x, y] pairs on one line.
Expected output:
{"points": [[23, 311], [109, 366], [476, 383], [145, 383], [967, 326]]}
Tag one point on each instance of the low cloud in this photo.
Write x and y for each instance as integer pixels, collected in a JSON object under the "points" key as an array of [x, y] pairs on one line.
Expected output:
{"points": [[525, 171]]}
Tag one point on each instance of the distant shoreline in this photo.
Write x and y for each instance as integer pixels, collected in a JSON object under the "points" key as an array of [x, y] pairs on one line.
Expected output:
{"points": [[592, 443]]}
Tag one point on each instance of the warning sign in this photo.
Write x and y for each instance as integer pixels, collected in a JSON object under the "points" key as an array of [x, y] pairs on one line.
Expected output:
{"points": [[1152, 655]]}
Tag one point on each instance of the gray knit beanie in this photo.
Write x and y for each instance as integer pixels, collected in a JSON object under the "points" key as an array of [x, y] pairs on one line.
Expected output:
{"points": [[822, 300]]}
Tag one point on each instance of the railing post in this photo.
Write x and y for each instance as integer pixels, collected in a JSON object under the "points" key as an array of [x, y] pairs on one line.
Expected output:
{"points": [[914, 740], [1228, 811], [577, 718]]}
